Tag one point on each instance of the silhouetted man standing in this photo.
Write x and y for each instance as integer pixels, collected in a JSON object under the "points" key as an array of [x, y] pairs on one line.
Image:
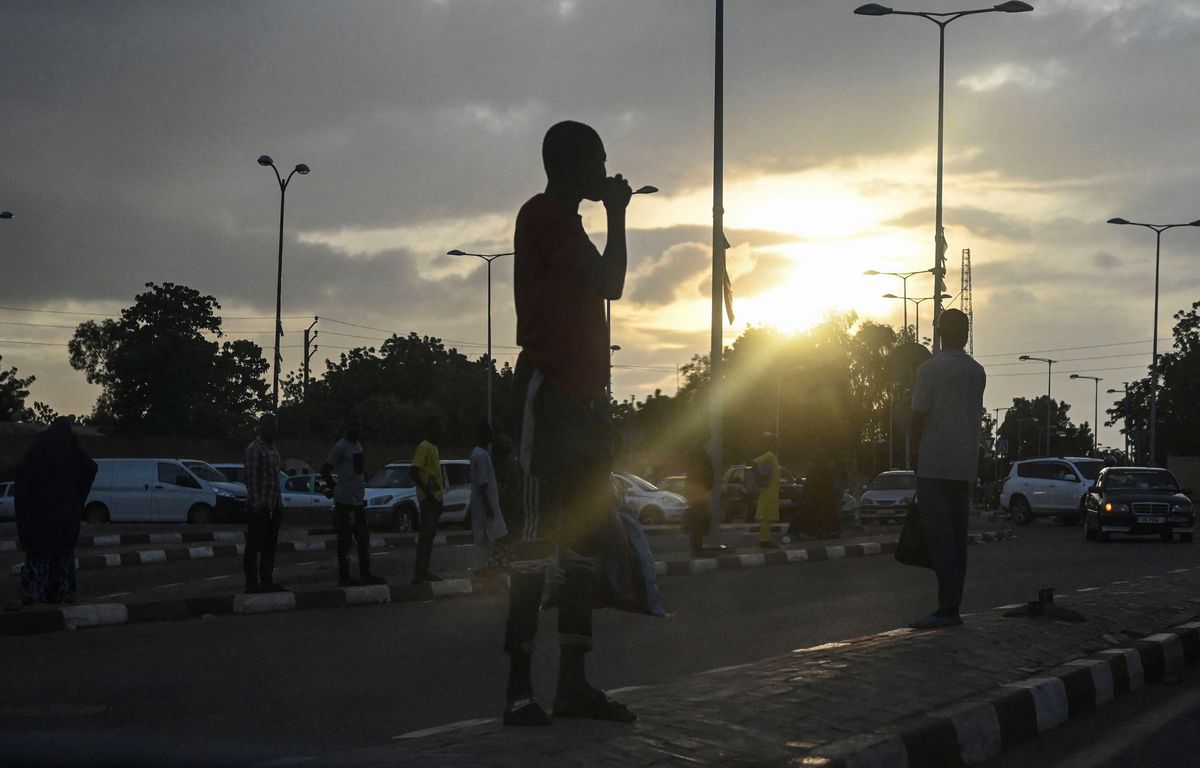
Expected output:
{"points": [[349, 513], [264, 509], [947, 410], [426, 472], [561, 283]]}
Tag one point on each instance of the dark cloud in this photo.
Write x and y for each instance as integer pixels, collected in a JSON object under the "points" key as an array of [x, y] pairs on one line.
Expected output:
{"points": [[976, 221], [660, 282], [769, 271], [1105, 260]]}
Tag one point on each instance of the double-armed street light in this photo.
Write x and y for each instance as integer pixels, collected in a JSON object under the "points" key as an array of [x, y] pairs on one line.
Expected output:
{"points": [[1158, 230], [904, 279], [941, 20], [917, 305], [1049, 367], [1095, 409], [303, 170], [489, 258]]}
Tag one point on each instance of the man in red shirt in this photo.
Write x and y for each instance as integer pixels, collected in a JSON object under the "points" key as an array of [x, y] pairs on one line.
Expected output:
{"points": [[561, 282]]}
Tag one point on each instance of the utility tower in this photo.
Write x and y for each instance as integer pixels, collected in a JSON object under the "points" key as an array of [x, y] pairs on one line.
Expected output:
{"points": [[965, 299]]}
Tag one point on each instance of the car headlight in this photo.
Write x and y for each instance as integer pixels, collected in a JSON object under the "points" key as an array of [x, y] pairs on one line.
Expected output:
{"points": [[905, 500], [1181, 506], [1118, 507], [224, 493], [379, 501]]}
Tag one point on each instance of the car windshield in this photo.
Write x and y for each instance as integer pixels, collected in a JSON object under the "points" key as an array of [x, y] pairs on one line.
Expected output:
{"points": [[1141, 480], [205, 471], [1090, 469], [391, 477], [644, 485], [898, 482]]}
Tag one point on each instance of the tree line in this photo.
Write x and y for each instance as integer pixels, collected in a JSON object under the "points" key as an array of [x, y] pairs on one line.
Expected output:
{"points": [[836, 390]]}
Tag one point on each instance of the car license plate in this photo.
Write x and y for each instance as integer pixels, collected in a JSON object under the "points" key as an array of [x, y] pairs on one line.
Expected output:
{"points": [[1151, 519]]}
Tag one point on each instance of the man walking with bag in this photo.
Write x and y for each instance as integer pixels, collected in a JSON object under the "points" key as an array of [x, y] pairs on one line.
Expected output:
{"points": [[947, 412]]}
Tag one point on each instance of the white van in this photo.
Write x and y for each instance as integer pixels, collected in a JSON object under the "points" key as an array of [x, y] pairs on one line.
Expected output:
{"points": [[150, 490]]}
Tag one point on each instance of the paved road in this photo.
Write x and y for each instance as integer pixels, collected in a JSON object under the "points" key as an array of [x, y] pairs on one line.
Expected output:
{"points": [[308, 682]]}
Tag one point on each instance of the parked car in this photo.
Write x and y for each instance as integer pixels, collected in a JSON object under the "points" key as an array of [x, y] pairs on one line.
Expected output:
{"points": [[391, 496], [886, 498], [1137, 501], [649, 503], [231, 494], [297, 491], [674, 484], [8, 510], [160, 490], [305, 492], [738, 498], [1050, 487]]}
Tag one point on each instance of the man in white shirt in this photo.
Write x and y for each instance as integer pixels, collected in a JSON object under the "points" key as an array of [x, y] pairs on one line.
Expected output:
{"points": [[487, 523], [947, 414]]}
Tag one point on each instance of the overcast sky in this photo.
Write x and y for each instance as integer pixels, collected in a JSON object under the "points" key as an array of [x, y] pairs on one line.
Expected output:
{"points": [[131, 131]]}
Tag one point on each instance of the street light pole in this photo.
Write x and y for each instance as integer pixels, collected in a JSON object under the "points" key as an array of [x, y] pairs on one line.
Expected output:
{"points": [[941, 20], [1049, 368], [917, 304], [489, 258], [1095, 410], [1126, 402], [1158, 230], [303, 170], [904, 279]]}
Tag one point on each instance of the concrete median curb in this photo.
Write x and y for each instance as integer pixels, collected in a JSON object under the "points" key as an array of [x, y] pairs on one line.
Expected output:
{"points": [[971, 732], [41, 620]]}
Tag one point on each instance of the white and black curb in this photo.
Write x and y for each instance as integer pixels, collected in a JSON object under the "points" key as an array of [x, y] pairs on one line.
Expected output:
{"points": [[42, 620], [974, 731]]}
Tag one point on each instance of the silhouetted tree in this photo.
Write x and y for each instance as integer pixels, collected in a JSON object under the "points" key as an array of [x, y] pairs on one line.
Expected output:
{"points": [[1178, 394], [1024, 427], [13, 391], [159, 373]]}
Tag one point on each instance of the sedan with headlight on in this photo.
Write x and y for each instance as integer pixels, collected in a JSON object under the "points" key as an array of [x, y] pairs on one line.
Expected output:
{"points": [[1138, 501]]}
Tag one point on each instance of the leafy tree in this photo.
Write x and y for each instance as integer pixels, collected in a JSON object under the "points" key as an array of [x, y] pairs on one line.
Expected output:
{"points": [[13, 391], [1024, 427], [42, 413], [393, 389], [160, 374], [1178, 392]]}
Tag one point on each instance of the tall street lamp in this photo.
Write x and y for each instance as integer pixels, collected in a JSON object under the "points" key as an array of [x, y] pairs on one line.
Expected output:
{"points": [[302, 169], [1125, 431], [1158, 230], [1049, 366], [1095, 410], [941, 20], [917, 304], [904, 278], [489, 258]]}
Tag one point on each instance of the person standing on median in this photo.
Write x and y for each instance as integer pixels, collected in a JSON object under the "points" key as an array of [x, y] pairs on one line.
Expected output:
{"points": [[426, 473], [53, 482], [487, 524], [264, 509], [561, 282], [766, 470], [349, 513], [947, 408]]}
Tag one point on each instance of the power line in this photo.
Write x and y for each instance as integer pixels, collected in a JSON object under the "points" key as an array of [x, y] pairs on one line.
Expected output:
{"points": [[1069, 349]]}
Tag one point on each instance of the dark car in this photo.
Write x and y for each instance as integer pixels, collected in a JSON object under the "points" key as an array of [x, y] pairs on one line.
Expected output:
{"points": [[1138, 501], [739, 493]]}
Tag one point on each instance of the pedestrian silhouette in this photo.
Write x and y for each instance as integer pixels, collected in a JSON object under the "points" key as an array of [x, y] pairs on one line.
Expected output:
{"points": [[349, 510], [264, 509], [426, 473]]}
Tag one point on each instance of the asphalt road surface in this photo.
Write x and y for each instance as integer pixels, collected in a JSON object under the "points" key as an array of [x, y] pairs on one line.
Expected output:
{"points": [[314, 681]]}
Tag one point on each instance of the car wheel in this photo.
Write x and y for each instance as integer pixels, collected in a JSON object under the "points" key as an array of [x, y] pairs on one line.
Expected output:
{"points": [[95, 513], [1088, 532], [201, 514], [1186, 538], [402, 519], [1167, 535], [1022, 514], [651, 515]]}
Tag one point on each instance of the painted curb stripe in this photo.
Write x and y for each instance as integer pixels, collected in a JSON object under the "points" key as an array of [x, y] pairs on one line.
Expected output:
{"points": [[95, 615]]}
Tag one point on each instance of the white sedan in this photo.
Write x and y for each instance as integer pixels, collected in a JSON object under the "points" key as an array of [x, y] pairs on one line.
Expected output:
{"points": [[651, 504]]}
